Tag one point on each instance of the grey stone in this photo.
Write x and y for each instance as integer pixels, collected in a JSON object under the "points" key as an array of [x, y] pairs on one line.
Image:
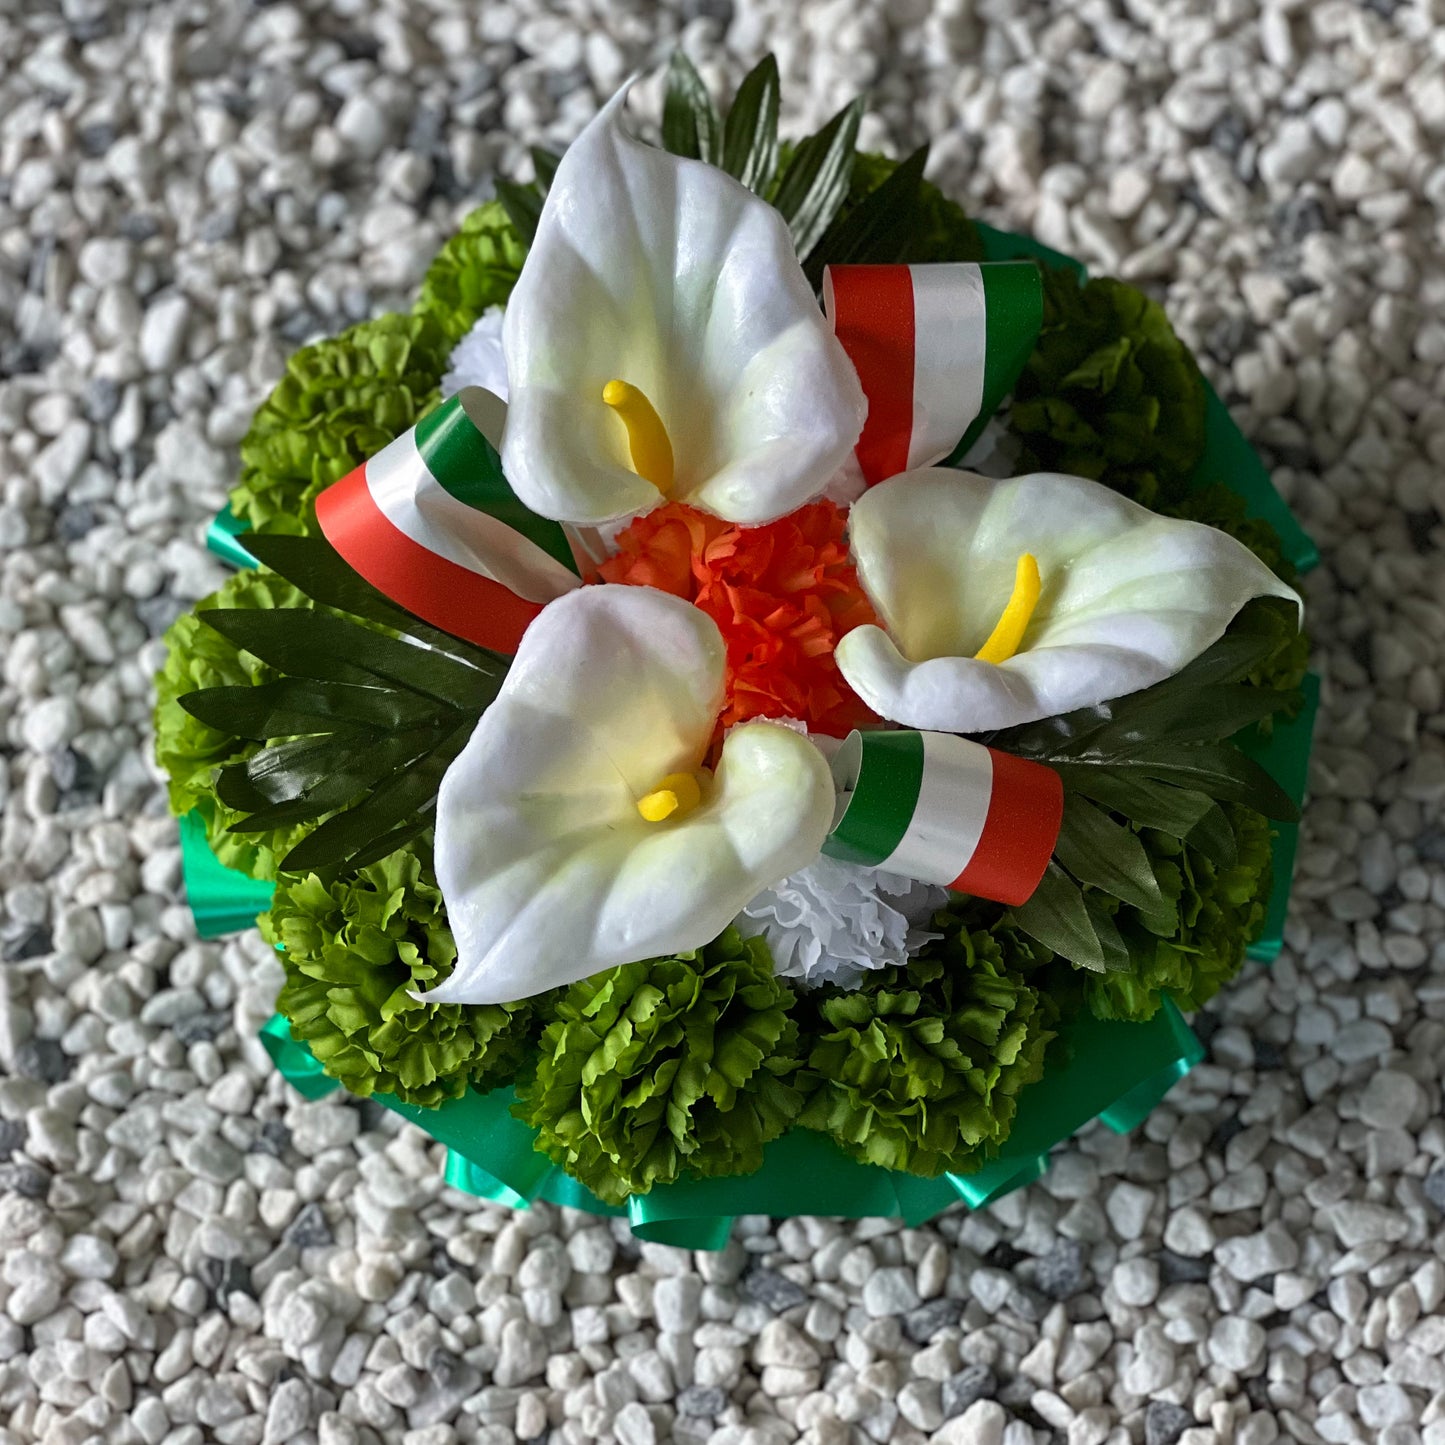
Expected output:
{"points": [[44, 1060], [927, 1320], [772, 1289], [974, 1382], [1165, 1422], [703, 1402], [1061, 1274]]}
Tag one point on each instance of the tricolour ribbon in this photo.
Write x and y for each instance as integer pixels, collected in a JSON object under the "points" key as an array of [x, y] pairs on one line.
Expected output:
{"points": [[936, 348], [945, 810], [431, 522]]}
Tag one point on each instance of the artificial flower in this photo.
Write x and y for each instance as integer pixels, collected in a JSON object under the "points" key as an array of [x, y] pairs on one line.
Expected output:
{"points": [[669, 288], [1006, 602], [580, 827], [782, 595]]}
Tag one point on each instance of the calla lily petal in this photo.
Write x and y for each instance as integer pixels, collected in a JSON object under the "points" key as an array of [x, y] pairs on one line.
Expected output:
{"points": [[670, 276], [549, 871], [1129, 597]]}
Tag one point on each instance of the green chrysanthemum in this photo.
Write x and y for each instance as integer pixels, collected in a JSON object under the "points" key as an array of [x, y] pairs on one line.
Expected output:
{"points": [[919, 1069], [1110, 392], [670, 1067], [475, 270], [339, 403], [197, 656], [354, 951], [1220, 913]]}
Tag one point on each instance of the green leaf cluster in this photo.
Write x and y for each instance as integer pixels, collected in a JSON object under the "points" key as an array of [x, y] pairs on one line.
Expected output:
{"points": [[359, 723], [340, 402], [190, 750], [1110, 392], [475, 270], [919, 1068], [675, 1066], [939, 231], [1157, 759], [1220, 908], [355, 949]]}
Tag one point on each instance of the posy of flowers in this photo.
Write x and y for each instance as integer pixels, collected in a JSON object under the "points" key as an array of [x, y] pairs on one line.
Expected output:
{"points": [[672, 729]]}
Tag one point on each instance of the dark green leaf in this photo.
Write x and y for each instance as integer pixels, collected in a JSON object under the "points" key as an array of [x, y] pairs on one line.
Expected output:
{"points": [[877, 230], [815, 184], [523, 205], [296, 705], [1185, 715], [387, 844], [750, 137], [1057, 917], [315, 566], [1105, 854], [1180, 812], [1220, 770], [335, 768], [545, 163], [392, 803], [314, 644], [1111, 941], [690, 125]]}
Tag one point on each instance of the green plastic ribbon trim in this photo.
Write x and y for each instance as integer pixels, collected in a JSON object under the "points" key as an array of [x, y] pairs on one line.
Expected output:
{"points": [[222, 539], [1097, 1069], [222, 900], [1285, 756]]}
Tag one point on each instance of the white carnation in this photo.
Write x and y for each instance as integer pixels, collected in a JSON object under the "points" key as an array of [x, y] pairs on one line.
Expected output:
{"points": [[832, 922], [477, 359]]}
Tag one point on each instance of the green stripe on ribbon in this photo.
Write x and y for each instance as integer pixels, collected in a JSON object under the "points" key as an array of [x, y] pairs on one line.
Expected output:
{"points": [[885, 796], [466, 464], [1013, 300]]}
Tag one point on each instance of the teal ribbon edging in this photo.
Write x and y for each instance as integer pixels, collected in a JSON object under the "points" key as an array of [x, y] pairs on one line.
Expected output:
{"points": [[223, 539], [1097, 1069], [222, 900]]}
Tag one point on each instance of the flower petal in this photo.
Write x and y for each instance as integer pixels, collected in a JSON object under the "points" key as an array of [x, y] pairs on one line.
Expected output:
{"points": [[1129, 597], [669, 275], [548, 870]]}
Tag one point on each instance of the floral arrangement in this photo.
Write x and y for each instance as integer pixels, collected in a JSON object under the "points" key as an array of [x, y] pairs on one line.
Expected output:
{"points": [[694, 737]]}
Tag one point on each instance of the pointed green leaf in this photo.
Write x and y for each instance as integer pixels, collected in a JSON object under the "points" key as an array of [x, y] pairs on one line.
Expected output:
{"points": [[815, 184], [750, 137], [1111, 941], [545, 163], [1220, 770], [523, 205], [1057, 917], [690, 125], [314, 644], [877, 230], [1180, 812], [1105, 854], [295, 706]]}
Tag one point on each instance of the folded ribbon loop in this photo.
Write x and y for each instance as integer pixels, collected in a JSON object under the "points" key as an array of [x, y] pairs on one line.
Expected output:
{"points": [[431, 522], [945, 810], [937, 348]]}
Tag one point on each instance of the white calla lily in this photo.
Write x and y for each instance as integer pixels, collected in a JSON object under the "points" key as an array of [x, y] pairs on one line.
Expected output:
{"points": [[1127, 597], [549, 868], [668, 276]]}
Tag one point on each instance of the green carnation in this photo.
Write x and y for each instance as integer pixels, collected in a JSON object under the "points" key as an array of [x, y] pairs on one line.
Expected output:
{"points": [[919, 1069], [1110, 392], [475, 270], [669, 1067], [354, 951], [191, 753], [1221, 911], [340, 402], [942, 231]]}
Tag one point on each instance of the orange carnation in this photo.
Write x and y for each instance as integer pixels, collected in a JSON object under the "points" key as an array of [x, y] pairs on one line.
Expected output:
{"points": [[781, 594]]}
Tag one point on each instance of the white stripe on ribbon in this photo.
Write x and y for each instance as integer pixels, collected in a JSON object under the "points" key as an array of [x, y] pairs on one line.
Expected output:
{"points": [[950, 337], [416, 504], [949, 814]]}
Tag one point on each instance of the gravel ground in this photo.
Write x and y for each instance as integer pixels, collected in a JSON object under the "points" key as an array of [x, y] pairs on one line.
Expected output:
{"points": [[189, 189]]}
